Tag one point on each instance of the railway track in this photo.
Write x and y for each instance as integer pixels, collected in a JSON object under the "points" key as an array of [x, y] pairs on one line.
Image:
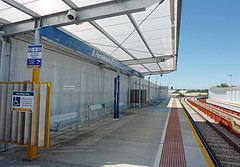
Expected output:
{"points": [[222, 146], [217, 110], [231, 121]]}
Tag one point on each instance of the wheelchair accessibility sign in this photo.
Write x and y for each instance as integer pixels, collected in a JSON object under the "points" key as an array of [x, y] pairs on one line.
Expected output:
{"points": [[22, 101]]}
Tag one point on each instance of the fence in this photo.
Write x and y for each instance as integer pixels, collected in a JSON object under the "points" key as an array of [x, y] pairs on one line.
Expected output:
{"points": [[20, 125]]}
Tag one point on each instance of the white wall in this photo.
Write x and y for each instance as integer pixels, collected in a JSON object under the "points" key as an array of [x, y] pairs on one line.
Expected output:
{"points": [[225, 94], [76, 83]]}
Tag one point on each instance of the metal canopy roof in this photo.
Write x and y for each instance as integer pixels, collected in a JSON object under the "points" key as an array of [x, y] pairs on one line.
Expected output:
{"points": [[143, 34]]}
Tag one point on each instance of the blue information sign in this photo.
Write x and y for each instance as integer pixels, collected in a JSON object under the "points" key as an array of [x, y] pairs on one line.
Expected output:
{"points": [[34, 56]]}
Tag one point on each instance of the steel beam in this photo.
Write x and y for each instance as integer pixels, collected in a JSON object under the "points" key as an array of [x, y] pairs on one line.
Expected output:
{"points": [[21, 8], [70, 3], [145, 67], [134, 23], [99, 28], [172, 15], [179, 13], [157, 72], [147, 60], [88, 13], [63, 38]]}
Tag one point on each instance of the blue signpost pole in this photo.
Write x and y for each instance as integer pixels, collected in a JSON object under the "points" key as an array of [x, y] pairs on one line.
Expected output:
{"points": [[118, 94], [115, 98]]}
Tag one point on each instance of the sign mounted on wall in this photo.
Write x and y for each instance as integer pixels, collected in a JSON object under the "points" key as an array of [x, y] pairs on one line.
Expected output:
{"points": [[34, 56], [22, 101]]}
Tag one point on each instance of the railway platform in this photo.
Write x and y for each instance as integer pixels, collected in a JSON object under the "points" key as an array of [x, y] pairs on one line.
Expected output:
{"points": [[150, 136]]}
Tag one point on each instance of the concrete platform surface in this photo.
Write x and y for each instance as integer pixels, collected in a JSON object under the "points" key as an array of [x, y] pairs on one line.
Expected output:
{"points": [[131, 141], [135, 140]]}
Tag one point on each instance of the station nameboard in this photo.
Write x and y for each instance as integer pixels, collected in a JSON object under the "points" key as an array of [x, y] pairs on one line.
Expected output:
{"points": [[34, 56], [22, 100]]}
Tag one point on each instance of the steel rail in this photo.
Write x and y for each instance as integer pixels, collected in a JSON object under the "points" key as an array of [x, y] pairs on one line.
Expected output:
{"points": [[218, 131], [205, 144], [224, 113]]}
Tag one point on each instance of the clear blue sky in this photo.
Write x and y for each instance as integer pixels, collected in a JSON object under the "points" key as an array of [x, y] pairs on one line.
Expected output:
{"points": [[209, 45]]}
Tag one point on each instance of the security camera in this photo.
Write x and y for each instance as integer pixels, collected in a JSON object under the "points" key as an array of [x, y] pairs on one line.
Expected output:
{"points": [[72, 14]]}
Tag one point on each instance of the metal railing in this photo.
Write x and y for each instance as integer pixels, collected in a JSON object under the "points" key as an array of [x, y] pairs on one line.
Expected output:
{"points": [[96, 111]]}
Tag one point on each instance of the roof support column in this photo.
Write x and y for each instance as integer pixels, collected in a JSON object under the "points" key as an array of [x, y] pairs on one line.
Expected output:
{"points": [[139, 94], [33, 150], [129, 93], [156, 91], [116, 97], [36, 71], [149, 90], [118, 94]]}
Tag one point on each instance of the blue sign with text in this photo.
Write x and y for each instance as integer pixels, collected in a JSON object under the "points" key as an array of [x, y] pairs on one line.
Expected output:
{"points": [[34, 56]]}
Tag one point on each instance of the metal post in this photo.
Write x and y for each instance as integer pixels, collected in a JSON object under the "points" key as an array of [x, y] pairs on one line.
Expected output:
{"points": [[148, 90], [2, 54], [33, 150], [139, 94], [88, 115], [160, 87], [134, 94], [129, 92], [230, 75], [156, 91], [115, 98], [118, 95], [36, 71], [231, 88]]}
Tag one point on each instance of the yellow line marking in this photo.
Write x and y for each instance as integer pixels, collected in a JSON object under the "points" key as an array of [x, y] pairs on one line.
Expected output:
{"points": [[201, 146]]}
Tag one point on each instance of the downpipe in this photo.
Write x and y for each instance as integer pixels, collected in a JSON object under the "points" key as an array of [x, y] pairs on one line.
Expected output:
{"points": [[6, 49], [3, 44]]}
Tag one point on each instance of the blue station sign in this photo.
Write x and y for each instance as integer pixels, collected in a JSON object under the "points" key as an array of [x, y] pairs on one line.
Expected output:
{"points": [[34, 56]]}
